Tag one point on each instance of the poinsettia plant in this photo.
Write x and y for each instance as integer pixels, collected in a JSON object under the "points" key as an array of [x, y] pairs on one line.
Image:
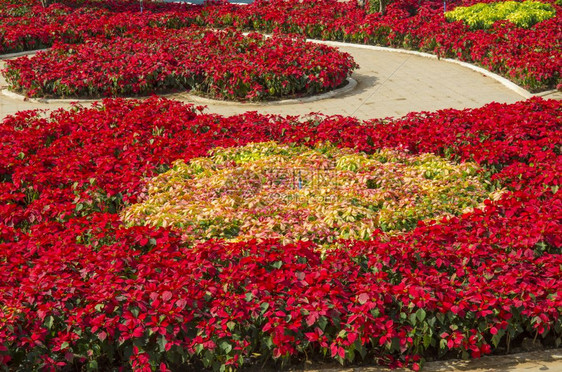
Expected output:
{"points": [[221, 64], [80, 289]]}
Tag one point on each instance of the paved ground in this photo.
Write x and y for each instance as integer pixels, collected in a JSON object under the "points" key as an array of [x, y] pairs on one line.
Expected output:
{"points": [[537, 361], [389, 84]]}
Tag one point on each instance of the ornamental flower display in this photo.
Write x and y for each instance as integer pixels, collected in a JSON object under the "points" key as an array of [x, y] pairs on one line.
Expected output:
{"points": [[146, 234], [82, 289], [530, 57], [265, 190], [219, 64], [482, 15]]}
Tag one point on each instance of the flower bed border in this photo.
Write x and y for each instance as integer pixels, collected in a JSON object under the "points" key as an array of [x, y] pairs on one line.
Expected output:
{"points": [[21, 54], [351, 84]]}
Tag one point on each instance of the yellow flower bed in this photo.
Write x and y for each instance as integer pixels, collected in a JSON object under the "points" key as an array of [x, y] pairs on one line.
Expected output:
{"points": [[483, 15], [268, 190]]}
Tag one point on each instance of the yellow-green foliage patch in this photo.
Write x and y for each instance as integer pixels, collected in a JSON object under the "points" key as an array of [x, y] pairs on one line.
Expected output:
{"points": [[268, 190], [523, 14]]}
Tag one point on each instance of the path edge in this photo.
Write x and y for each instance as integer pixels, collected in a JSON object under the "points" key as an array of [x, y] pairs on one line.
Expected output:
{"points": [[21, 54], [351, 84]]}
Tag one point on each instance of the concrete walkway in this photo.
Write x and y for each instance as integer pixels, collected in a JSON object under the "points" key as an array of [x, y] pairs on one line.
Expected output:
{"points": [[389, 84], [536, 361]]}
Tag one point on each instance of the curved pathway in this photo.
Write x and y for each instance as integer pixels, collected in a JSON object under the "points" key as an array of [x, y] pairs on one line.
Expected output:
{"points": [[389, 84]]}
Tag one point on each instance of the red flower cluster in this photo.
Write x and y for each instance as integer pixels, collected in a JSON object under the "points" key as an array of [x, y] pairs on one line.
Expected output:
{"points": [[221, 64], [30, 26], [77, 288]]}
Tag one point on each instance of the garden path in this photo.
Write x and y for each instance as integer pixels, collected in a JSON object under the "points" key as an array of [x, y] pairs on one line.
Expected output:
{"points": [[389, 84], [536, 361]]}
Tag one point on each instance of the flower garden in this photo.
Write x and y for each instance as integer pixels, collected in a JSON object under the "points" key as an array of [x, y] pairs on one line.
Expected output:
{"points": [[146, 234], [219, 64], [263, 190], [526, 53]]}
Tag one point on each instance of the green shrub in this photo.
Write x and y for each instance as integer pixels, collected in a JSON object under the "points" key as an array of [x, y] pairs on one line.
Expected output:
{"points": [[377, 6], [481, 16]]}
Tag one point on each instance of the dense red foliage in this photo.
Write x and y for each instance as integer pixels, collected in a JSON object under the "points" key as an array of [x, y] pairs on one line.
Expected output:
{"points": [[222, 64], [78, 289], [30, 26], [531, 57]]}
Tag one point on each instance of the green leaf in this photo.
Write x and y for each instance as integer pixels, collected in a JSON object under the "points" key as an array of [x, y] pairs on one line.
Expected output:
{"points": [[413, 319], [162, 342], [92, 365], [496, 339], [350, 355], [322, 322], [426, 341], [420, 314], [225, 346], [49, 322]]}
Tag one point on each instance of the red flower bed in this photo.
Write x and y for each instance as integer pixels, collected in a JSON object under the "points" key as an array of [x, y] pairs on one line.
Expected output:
{"points": [[79, 289], [30, 26], [221, 64]]}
